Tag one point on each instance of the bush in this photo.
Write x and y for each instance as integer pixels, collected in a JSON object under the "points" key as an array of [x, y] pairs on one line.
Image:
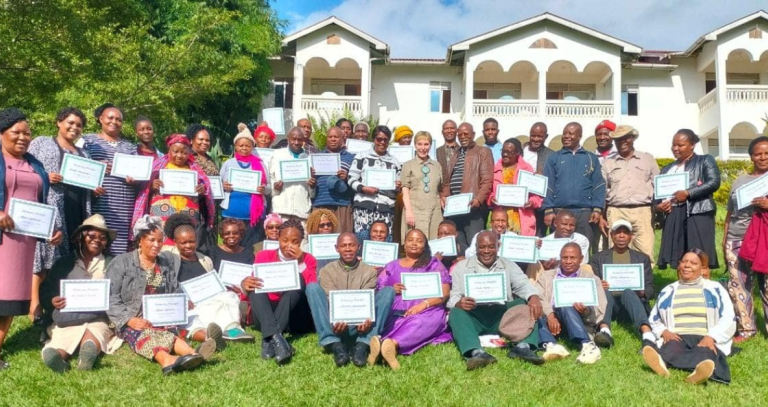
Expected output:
{"points": [[729, 171], [320, 128]]}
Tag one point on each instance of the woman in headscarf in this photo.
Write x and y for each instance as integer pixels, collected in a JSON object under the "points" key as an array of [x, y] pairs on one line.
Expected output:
{"points": [[271, 231], [264, 136], [403, 135], [200, 140]]}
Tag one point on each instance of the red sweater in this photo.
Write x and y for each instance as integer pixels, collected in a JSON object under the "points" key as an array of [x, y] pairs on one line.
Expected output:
{"points": [[309, 275], [754, 246]]}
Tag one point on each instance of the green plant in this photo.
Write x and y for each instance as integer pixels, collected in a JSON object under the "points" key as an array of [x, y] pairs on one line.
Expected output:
{"points": [[327, 120]]}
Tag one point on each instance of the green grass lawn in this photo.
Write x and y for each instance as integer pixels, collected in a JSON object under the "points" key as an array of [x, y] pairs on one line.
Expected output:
{"points": [[433, 376]]}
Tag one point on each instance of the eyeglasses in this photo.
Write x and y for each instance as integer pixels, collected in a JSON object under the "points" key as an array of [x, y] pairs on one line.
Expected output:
{"points": [[425, 171], [273, 226], [325, 225], [507, 153]]}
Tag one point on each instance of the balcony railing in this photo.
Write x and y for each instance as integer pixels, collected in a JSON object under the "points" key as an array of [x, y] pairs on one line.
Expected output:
{"points": [[331, 103], [747, 93], [597, 109], [505, 108], [708, 101]]}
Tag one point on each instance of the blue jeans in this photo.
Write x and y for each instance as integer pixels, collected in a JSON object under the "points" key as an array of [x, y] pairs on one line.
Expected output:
{"points": [[318, 303], [570, 324]]}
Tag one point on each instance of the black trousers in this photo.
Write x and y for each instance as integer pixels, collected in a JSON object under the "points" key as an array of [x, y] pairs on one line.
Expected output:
{"points": [[274, 317], [685, 354], [468, 225], [626, 307]]}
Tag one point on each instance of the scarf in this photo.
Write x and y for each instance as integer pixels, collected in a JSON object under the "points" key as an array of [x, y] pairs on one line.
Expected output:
{"points": [[754, 246], [257, 200], [509, 177]]}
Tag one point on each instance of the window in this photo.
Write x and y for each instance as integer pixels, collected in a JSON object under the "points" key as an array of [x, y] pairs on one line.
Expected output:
{"points": [[570, 91], [283, 93], [440, 97], [629, 100]]}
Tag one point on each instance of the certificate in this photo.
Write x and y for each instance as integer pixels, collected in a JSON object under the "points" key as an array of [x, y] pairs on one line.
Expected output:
{"points": [[421, 285], [32, 218], [233, 274], [572, 290], [326, 163], [278, 276], [402, 154], [379, 253], [165, 309], [264, 153], [380, 178], [82, 172], [295, 170], [217, 188], [203, 287], [623, 276], [514, 196], [270, 245], [550, 248], [138, 167], [446, 246], [457, 204], [85, 295], [355, 146], [245, 180], [665, 185], [178, 182], [323, 247], [518, 248], [275, 119], [486, 287], [537, 184], [351, 306], [754, 189]]}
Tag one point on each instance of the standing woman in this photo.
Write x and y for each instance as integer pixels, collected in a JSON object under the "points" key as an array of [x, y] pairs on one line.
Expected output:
{"points": [[521, 220], [22, 176], [117, 203], [346, 129], [200, 139], [422, 180], [690, 220], [264, 136], [145, 132], [370, 203]]}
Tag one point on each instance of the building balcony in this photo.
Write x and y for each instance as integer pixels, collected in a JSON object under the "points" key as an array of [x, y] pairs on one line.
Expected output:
{"points": [[328, 105], [505, 108], [577, 109], [566, 109], [747, 93]]}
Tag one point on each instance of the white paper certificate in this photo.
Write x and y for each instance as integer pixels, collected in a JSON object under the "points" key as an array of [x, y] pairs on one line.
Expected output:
{"points": [[537, 184], [178, 182], [82, 172], [294, 170], [511, 195], [351, 306], [518, 248], [275, 119], [85, 295], [326, 163], [379, 253], [446, 246], [245, 180], [382, 179], [323, 247], [165, 309], [203, 287], [457, 204], [550, 248], [571, 290], [421, 285], [270, 245], [233, 274], [138, 167], [623, 276], [402, 154], [754, 189], [32, 218], [665, 185], [217, 188], [264, 153], [278, 276], [486, 287], [355, 146]]}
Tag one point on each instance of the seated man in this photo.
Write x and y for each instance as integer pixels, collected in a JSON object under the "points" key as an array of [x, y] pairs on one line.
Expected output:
{"points": [[468, 319], [578, 321], [499, 225], [348, 273], [565, 227], [624, 305], [447, 228]]}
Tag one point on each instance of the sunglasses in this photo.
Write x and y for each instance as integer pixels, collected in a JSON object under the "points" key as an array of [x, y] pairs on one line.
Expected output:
{"points": [[273, 226], [325, 225], [96, 236]]}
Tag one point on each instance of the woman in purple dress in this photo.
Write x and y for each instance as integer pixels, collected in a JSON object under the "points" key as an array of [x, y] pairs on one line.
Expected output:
{"points": [[414, 323]]}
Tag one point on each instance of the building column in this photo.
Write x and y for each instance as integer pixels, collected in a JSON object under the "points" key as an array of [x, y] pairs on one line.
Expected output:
{"points": [[616, 92], [542, 95], [720, 78], [365, 87], [469, 91], [298, 90]]}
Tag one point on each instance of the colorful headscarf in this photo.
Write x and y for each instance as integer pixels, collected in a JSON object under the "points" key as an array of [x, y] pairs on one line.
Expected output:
{"points": [[272, 217], [402, 131], [264, 129]]}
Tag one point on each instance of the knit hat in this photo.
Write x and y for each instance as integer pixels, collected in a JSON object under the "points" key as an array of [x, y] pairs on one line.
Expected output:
{"points": [[244, 133], [605, 124], [402, 131]]}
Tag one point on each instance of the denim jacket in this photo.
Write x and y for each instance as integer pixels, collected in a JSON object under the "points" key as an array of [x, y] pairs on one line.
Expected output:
{"points": [[39, 169]]}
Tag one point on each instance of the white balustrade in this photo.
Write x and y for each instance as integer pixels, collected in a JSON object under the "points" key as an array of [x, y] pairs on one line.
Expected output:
{"points": [[580, 109], [505, 108], [331, 103], [747, 93], [708, 101]]}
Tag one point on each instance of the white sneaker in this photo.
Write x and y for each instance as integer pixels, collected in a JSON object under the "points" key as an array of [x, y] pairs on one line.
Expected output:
{"points": [[590, 354], [555, 351]]}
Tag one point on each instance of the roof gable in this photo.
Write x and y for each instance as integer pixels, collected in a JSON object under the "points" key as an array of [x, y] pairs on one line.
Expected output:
{"points": [[712, 35], [333, 20]]}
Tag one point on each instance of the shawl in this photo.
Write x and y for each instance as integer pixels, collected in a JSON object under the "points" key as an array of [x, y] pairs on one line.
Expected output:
{"points": [[754, 247], [257, 200]]}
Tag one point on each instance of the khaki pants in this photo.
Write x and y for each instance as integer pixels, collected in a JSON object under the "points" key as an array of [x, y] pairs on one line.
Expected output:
{"points": [[640, 218]]}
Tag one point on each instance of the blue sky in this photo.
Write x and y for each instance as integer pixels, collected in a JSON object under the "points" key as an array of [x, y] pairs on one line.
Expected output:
{"points": [[425, 28]]}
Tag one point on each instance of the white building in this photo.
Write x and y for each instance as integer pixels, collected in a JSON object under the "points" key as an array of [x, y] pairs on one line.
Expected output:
{"points": [[545, 68]]}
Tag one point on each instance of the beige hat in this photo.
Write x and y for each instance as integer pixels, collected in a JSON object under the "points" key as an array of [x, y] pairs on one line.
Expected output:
{"points": [[244, 133], [516, 324], [96, 222], [624, 130]]}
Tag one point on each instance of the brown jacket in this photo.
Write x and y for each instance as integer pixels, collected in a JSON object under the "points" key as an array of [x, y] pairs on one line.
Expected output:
{"points": [[478, 173], [546, 287]]}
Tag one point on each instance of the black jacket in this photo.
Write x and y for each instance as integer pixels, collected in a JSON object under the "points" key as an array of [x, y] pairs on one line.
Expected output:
{"points": [[635, 257], [704, 180]]}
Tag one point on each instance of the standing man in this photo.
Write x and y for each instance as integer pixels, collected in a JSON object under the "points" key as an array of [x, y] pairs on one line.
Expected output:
{"points": [[536, 154], [469, 171], [306, 127], [491, 135], [605, 147], [447, 150], [629, 188], [576, 183], [333, 192]]}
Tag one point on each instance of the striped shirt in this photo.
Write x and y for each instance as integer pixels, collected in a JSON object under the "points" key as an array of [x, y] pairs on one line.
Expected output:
{"points": [[457, 178], [690, 310]]}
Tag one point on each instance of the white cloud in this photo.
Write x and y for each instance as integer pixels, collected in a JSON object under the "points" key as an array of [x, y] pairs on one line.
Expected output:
{"points": [[425, 28]]}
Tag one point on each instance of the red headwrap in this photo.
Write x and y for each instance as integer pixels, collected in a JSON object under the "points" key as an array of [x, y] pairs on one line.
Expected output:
{"points": [[177, 138], [264, 129], [606, 124]]}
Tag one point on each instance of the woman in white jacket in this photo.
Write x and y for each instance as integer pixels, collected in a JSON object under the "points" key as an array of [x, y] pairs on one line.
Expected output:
{"points": [[694, 322]]}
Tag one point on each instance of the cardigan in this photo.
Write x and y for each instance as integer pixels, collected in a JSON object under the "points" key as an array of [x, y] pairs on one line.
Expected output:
{"points": [[39, 169]]}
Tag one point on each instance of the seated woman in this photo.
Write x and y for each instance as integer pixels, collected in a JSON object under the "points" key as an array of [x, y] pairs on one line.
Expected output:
{"points": [[278, 312], [414, 323], [321, 222], [231, 247], [88, 331], [271, 230], [147, 271], [693, 320]]}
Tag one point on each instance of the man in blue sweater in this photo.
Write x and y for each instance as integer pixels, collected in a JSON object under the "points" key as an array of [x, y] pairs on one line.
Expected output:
{"points": [[332, 192], [576, 183]]}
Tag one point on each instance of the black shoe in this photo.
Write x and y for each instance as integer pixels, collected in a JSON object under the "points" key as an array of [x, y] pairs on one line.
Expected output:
{"points": [[360, 354], [283, 350], [267, 349], [646, 342], [525, 354], [480, 360], [340, 354], [186, 362], [604, 340]]}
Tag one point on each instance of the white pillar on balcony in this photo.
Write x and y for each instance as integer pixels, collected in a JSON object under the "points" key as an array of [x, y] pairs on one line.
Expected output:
{"points": [[469, 91], [542, 95], [298, 90], [720, 77], [616, 91], [365, 88]]}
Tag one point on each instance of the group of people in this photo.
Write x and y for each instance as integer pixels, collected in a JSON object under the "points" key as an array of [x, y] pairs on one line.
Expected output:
{"points": [[602, 203]]}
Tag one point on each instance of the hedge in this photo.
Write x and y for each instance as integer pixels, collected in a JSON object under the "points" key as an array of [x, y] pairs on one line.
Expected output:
{"points": [[729, 171]]}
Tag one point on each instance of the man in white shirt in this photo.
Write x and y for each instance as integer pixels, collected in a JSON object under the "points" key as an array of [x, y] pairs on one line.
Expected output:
{"points": [[565, 228], [499, 225]]}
